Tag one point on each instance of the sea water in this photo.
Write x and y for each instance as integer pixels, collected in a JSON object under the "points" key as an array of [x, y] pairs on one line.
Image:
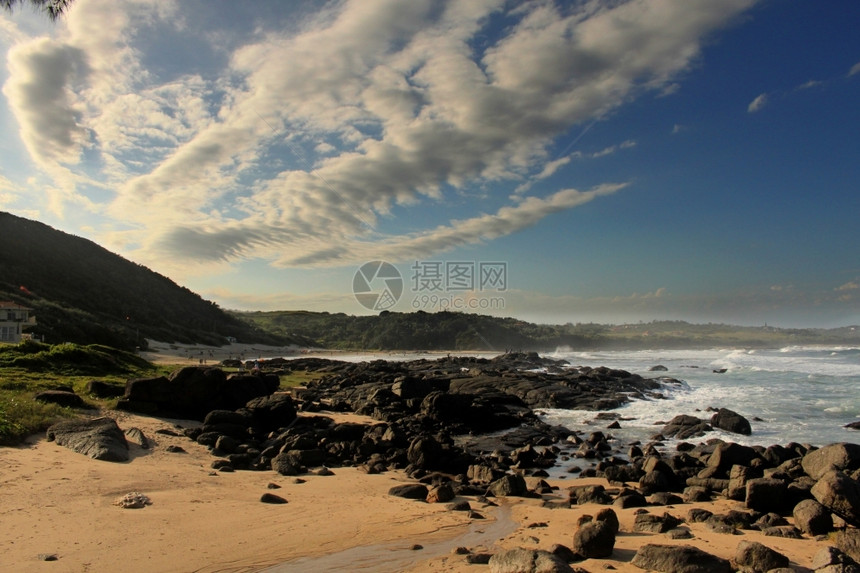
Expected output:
{"points": [[803, 394]]}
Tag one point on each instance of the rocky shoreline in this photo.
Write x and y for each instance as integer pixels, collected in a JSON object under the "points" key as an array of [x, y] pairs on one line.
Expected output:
{"points": [[467, 427]]}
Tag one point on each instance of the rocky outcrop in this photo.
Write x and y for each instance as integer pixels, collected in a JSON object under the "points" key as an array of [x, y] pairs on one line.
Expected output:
{"points": [[99, 438], [521, 560], [730, 421], [677, 558], [753, 557], [63, 398], [840, 494], [684, 427], [193, 391], [812, 518], [595, 540], [843, 457]]}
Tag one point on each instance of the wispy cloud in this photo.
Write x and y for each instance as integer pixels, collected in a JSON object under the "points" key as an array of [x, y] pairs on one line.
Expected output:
{"points": [[758, 103], [855, 69]]}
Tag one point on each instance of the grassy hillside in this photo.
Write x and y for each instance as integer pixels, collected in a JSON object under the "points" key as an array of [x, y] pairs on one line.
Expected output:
{"points": [[31, 367], [80, 292], [458, 331]]}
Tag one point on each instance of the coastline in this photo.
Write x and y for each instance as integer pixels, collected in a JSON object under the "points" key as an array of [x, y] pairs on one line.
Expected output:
{"points": [[192, 354], [57, 502]]}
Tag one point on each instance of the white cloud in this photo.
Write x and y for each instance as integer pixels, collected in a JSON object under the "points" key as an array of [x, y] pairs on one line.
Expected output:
{"points": [[810, 84], [377, 103], [855, 69], [758, 103], [39, 90]]}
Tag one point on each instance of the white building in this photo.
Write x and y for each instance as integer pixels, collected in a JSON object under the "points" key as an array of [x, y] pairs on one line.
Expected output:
{"points": [[13, 318]]}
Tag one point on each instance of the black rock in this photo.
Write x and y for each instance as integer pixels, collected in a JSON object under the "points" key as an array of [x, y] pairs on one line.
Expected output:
{"points": [[272, 498], [61, 398], [674, 558], [410, 491], [731, 422], [99, 438], [753, 556]]}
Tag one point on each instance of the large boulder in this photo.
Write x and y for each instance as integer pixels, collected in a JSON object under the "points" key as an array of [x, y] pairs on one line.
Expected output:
{"points": [[833, 560], [425, 452], [60, 398], [753, 557], [99, 438], [679, 559], [844, 457], [594, 540], [728, 454], [840, 494], [509, 485], [652, 523], [684, 427], [194, 391], [521, 560], [410, 491], [270, 412], [767, 495], [848, 541], [730, 421], [812, 518]]}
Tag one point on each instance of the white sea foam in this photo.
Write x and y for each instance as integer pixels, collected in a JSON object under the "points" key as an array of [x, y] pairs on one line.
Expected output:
{"points": [[793, 394]]}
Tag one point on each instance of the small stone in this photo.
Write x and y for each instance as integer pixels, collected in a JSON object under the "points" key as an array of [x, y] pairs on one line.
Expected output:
{"points": [[273, 486], [417, 547], [273, 499], [175, 449], [48, 557]]}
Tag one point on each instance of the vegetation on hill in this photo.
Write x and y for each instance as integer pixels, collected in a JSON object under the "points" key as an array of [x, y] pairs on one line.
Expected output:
{"points": [[82, 293], [459, 331]]}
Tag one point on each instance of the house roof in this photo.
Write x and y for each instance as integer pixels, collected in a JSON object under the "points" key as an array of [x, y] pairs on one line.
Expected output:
{"points": [[9, 305]]}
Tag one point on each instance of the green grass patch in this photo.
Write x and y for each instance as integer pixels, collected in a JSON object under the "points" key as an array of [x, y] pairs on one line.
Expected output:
{"points": [[32, 367], [297, 378], [70, 359]]}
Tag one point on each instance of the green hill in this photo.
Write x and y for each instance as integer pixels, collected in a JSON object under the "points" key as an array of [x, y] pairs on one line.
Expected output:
{"points": [[82, 293], [459, 331]]}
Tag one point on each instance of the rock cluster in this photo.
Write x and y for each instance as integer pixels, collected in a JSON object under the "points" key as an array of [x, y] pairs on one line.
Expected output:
{"points": [[431, 418], [194, 391]]}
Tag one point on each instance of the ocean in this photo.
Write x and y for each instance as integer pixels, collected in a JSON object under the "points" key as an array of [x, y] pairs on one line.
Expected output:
{"points": [[803, 394]]}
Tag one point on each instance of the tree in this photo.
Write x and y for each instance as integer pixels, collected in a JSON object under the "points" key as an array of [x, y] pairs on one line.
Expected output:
{"points": [[53, 8]]}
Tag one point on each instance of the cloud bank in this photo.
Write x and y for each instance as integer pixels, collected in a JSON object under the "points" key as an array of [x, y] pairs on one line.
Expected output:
{"points": [[299, 147]]}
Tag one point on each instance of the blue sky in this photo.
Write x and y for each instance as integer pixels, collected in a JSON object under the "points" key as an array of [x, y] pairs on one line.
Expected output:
{"points": [[625, 160]]}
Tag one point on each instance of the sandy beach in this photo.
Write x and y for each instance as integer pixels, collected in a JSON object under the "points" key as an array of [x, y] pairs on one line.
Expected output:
{"points": [[60, 503]]}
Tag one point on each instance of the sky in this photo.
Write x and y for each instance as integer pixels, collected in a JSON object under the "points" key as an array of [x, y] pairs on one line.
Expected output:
{"points": [[584, 161]]}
